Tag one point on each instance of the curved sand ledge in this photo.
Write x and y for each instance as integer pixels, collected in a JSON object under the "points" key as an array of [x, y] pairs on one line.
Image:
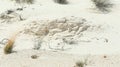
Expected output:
{"points": [[56, 59]]}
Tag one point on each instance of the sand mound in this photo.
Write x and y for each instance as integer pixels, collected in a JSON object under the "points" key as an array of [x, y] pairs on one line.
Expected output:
{"points": [[62, 33]]}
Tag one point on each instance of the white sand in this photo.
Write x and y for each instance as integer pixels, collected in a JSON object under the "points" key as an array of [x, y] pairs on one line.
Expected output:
{"points": [[65, 34]]}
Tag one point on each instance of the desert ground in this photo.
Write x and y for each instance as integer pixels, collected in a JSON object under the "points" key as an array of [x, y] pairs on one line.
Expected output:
{"points": [[47, 33]]}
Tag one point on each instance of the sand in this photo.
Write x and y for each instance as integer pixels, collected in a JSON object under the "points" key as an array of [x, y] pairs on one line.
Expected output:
{"points": [[59, 35]]}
